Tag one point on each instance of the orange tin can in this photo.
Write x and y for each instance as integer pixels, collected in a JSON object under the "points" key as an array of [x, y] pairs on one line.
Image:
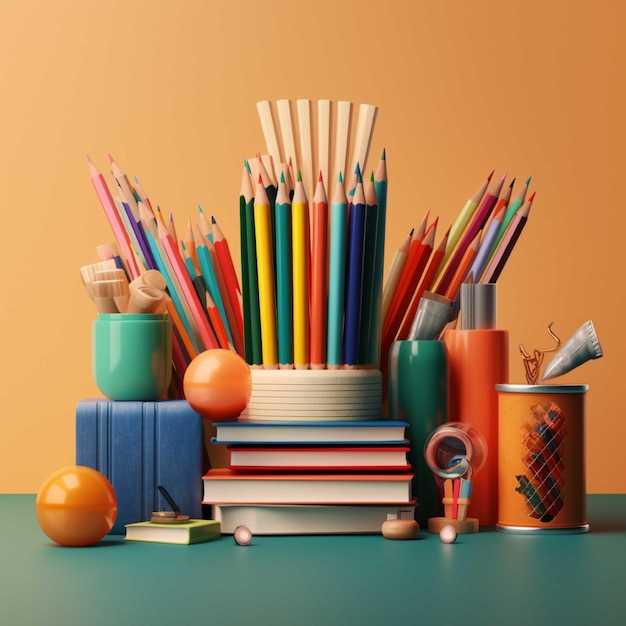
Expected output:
{"points": [[541, 459]]}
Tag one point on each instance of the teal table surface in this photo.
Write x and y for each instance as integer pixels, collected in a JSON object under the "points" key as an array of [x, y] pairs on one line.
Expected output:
{"points": [[486, 578]]}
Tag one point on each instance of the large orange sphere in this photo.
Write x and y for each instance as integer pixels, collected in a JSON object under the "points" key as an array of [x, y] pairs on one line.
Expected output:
{"points": [[76, 506], [218, 384]]}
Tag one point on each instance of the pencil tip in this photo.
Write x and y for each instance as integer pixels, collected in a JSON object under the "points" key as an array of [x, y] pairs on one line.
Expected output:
{"points": [[299, 177], [512, 183], [200, 209], [290, 162], [340, 177], [89, 160], [372, 177], [490, 175], [357, 170], [384, 155], [247, 164], [260, 179], [110, 159], [282, 177], [213, 220], [320, 178], [532, 197], [528, 181]]}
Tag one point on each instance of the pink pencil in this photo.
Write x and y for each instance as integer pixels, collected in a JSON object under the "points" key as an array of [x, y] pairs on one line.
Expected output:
{"points": [[115, 221], [197, 310]]}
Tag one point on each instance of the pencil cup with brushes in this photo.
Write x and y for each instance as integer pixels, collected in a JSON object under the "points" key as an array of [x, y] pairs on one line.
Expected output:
{"points": [[132, 345]]}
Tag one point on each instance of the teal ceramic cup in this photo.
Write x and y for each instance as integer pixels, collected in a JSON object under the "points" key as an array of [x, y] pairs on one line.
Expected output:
{"points": [[132, 355], [418, 394]]}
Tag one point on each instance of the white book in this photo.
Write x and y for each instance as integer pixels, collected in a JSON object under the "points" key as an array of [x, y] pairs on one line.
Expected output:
{"points": [[226, 486], [309, 519], [353, 432]]}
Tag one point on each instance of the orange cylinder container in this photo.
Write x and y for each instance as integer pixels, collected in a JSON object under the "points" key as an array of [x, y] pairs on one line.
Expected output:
{"points": [[477, 361], [541, 481]]}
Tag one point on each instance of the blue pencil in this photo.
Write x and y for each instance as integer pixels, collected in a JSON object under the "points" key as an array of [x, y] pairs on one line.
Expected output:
{"points": [[354, 275]]}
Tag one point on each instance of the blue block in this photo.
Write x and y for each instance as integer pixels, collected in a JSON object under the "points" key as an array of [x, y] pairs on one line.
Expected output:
{"points": [[140, 445]]}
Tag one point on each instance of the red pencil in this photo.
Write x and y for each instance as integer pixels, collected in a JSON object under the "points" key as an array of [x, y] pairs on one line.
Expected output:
{"points": [[231, 281], [473, 229], [425, 284], [415, 273], [319, 275]]}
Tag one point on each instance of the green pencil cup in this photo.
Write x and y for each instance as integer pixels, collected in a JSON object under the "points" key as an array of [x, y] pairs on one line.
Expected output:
{"points": [[418, 395], [132, 355]]}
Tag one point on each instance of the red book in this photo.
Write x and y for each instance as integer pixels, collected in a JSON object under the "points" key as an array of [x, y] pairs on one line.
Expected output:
{"points": [[372, 458]]}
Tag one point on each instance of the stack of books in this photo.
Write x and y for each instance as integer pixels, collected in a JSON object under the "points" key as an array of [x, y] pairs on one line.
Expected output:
{"points": [[311, 477]]}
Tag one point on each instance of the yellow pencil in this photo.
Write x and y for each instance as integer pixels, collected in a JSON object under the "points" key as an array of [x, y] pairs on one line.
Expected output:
{"points": [[265, 268], [300, 260]]}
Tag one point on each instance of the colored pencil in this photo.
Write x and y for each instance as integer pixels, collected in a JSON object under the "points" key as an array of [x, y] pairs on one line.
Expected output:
{"points": [[319, 275], [284, 279], [502, 253], [463, 268], [486, 245], [511, 210], [300, 260], [265, 268], [460, 224], [114, 219], [246, 189], [380, 187], [368, 299], [425, 284], [207, 270], [415, 269], [502, 203], [354, 275], [336, 275], [199, 314], [475, 226], [227, 266], [252, 325], [396, 268]]}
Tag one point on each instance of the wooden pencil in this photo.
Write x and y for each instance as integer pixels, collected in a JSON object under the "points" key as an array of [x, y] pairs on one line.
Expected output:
{"points": [[265, 268], [507, 243], [303, 108], [354, 275], [323, 138], [463, 268], [227, 266], [396, 267], [425, 284], [465, 215], [336, 275], [300, 268], [284, 278], [380, 187], [368, 298], [252, 321], [114, 219], [269, 131], [319, 276], [486, 245], [511, 210], [475, 226], [342, 138]]}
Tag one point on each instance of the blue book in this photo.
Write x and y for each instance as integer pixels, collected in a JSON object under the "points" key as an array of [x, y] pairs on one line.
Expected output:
{"points": [[341, 432], [139, 446]]}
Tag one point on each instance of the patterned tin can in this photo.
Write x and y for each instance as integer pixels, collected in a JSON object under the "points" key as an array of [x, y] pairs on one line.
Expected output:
{"points": [[541, 459]]}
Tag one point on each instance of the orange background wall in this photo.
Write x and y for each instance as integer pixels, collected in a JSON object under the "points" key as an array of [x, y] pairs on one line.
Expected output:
{"points": [[169, 89]]}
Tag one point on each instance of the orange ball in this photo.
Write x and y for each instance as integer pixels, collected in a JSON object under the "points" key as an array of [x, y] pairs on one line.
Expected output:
{"points": [[76, 506], [218, 384]]}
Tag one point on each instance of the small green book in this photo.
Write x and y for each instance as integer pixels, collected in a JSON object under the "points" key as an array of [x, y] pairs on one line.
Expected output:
{"points": [[193, 531]]}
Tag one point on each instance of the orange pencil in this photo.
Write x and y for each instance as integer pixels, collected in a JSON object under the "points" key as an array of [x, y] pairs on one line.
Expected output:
{"points": [[233, 289], [217, 323], [191, 246], [462, 270], [426, 283], [319, 276]]}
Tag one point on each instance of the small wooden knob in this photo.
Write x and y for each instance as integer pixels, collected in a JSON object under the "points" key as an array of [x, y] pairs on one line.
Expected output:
{"points": [[400, 529]]}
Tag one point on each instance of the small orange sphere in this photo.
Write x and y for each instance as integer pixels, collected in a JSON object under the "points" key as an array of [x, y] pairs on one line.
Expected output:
{"points": [[76, 506], [218, 384]]}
